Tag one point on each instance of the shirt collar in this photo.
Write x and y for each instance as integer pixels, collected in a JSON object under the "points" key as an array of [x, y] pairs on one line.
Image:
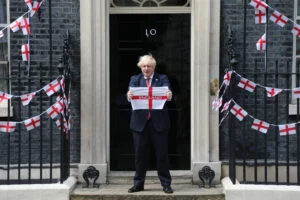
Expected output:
{"points": [[150, 76]]}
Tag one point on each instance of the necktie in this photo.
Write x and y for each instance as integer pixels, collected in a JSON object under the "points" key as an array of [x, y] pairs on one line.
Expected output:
{"points": [[148, 85]]}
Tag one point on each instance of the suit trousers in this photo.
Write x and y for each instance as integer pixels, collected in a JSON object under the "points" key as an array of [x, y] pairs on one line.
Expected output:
{"points": [[141, 148]]}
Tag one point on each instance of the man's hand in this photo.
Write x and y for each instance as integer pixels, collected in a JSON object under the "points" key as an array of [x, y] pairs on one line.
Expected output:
{"points": [[129, 95], [169, 95]]}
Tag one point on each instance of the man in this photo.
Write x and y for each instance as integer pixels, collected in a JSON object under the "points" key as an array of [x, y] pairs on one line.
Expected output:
{"points": [[150, 124]]}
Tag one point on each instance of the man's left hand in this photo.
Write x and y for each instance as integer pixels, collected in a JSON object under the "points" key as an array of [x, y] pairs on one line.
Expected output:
{"points": [[169, 95]]}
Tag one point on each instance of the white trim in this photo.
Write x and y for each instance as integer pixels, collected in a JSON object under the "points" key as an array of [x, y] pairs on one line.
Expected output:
{"points": [[294, 51], [149, 10]]}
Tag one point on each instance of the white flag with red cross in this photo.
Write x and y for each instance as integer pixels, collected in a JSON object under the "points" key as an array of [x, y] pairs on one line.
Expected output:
{"points": [[35, 7], [58, 123], [238, 112], [226, 106], [1, 34], [261, 44], [7, 127], [259, 4], [247, 84], [26, 98], [227, 78], [4, 96], [296, 30], [220, 103], [260, 126], [25, 51], [29, 4], [52, 88], [53, 111], [260, 16], [279, 18], [60, 105], [214, 103], [148, 97], [287, 129], [271, 92], [16, 25], [25, 26], [32, 123], [296, 92]]}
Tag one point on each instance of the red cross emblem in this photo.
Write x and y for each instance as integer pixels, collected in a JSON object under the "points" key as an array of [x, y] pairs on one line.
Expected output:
{"points": [[25, 52], [7, 126]]}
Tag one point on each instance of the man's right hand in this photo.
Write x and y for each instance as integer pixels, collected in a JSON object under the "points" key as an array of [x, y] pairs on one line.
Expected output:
{"points": [[129, 95]]}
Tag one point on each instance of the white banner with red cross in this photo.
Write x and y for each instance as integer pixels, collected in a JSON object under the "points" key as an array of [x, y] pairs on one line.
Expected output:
{"points": [[152, 98]]}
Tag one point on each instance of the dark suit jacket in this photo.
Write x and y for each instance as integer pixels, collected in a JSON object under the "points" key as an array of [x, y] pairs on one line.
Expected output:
{"points": [[159, 118]]}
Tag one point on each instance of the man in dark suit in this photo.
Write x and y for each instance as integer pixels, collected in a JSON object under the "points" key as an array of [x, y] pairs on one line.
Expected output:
{"points": [[150, 124]]}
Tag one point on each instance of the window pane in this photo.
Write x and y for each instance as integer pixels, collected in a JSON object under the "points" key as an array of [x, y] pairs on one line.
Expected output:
{"points": [[3, 47], [3, 12], [3, 75], [149, 3]]}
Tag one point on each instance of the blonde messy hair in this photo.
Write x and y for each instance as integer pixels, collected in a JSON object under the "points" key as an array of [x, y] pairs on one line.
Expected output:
{"points": [[146, 60]]}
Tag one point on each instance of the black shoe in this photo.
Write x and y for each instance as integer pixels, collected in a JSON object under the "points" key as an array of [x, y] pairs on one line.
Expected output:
{"points": [[168, 189], [135, 189]]}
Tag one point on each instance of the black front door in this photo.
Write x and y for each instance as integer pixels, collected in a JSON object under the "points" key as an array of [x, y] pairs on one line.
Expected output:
{"points": [[167, 38]]}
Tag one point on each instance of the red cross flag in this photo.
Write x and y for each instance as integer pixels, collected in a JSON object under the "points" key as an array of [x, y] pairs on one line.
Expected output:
{"points": [[25, 52], [26, 98], [219, 104], [214, 103], [4, 96], [16, 25], [7, 127], [227, 78], [296, 92], [25, 26], [35, 7], [58, 123], [287, 129], [238, 112], [271, 92], [29, 4], [261, 44], [32, 123], [296, 30], [259, 4], [60, 105], [247, 85], [53, 111], [148, 97], [260, 16], [279, 18], [1, 34], [52, 87], [226, 106], [260, 126]]}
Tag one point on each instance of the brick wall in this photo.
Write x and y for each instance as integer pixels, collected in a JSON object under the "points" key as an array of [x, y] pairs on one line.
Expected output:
{"points": [[251, 65], [65, 17]]}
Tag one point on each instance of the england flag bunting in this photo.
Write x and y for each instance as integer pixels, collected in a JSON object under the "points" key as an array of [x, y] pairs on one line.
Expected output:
{"points": [[58, 123], [214, 103], [296, 92], [226, 106], [296, 30], [52, 88], [259, 4], [25, 52], [26, 98], [53, 111], [260, 126], [260, 16], [261, 44], [32, 123], [29, 4], [25, 26], [238, 112], [16, 25], [62, 83], [271, 92], [35, 7], [287, 129], [60, 105], [7, 127], [247, 84], [1, 34], [219, 103], [279, 18], [227, 78], [4, 96]]}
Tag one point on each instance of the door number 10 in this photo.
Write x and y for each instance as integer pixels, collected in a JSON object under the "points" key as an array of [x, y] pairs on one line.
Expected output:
{"points": [[150, 32]]}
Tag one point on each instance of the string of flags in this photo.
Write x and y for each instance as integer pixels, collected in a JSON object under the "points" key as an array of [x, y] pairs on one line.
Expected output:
{"points": [[281, 20], [22, 23]]}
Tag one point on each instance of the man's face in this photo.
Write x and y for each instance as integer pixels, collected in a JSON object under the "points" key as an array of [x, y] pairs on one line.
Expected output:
{"points": [[147, 70]]}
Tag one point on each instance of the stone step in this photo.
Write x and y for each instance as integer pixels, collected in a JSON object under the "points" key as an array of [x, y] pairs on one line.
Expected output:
{"points": [[151, 192], [122, 177]]}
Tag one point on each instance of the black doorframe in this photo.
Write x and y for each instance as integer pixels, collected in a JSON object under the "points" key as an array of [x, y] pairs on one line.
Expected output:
{"points": [[174, 55]]}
